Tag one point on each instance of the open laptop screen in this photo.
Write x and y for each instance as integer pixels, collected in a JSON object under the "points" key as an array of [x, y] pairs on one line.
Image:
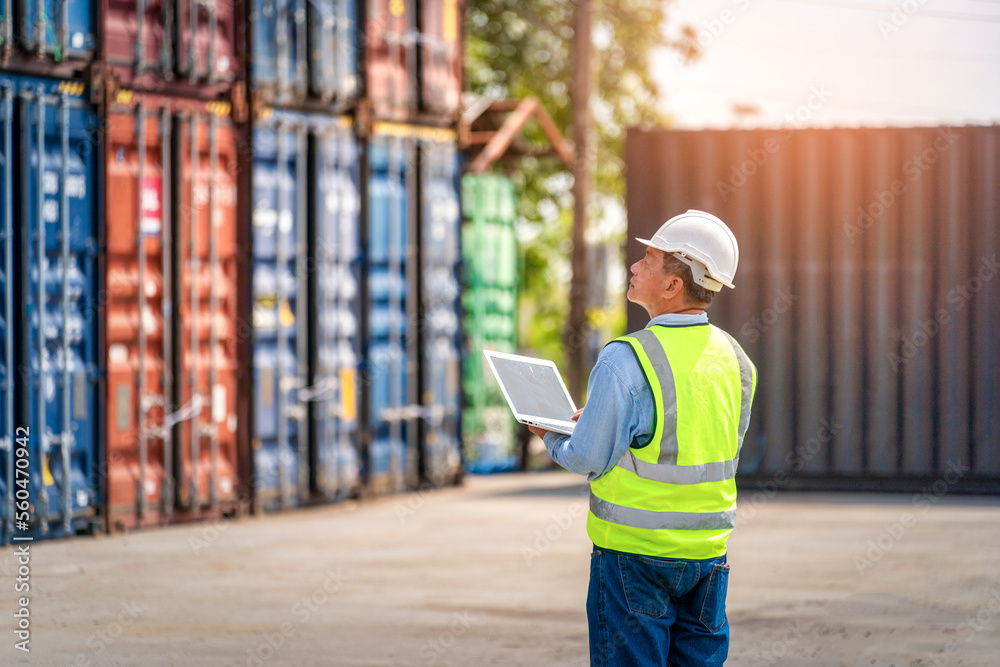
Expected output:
{"points": [[534, 389]]}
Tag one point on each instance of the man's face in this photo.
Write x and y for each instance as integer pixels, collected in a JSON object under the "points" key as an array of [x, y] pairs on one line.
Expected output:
{"points": [[647, 283]]}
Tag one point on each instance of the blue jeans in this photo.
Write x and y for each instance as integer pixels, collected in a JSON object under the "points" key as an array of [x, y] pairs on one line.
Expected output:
{"points": [[644, 611]]}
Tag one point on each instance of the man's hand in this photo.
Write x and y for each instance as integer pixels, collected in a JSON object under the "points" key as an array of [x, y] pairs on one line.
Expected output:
{"points": [[540, 432]]}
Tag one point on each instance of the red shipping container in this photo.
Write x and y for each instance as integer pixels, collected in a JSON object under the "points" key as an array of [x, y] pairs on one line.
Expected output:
{"points": [[441, 57], [171, 335], [174, 47], [390, 58]]}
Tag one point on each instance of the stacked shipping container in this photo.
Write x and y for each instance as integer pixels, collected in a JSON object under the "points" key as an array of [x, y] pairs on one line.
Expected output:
{"points": [[489, 247], [863, 294], [246, 340], [50, 229]]}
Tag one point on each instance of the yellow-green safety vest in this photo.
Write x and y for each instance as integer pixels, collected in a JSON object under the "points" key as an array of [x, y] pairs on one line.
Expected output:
{"points": [[675, 497]]}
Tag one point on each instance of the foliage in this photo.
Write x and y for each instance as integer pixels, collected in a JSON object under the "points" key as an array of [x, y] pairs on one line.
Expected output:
{"points": [[516, 49]]}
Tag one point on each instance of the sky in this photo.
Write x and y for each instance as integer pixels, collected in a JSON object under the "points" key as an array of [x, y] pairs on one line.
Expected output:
{"points": [[823, 63]]}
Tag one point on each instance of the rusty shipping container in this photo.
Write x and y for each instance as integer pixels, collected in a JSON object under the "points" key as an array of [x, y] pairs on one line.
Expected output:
{"points": [[414, 60], [867, 294], [440, 57], [173, 310], [172, 47]]}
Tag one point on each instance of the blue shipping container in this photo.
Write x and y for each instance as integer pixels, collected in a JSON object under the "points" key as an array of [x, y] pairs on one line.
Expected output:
{"points": [[442, 310], [293, 62], [58, 28], [52, 137], [280, 357], [389, 357], [337, 248]]}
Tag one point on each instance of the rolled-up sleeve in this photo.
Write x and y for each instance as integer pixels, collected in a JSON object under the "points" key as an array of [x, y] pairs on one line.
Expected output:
{"points": [[618, 412]]}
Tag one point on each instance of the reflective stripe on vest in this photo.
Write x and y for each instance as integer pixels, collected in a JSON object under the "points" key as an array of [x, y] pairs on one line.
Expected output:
{"points": [[653, 478]]}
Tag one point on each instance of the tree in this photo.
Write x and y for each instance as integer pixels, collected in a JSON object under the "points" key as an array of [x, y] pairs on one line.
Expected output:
{"points": [[516, 49]]}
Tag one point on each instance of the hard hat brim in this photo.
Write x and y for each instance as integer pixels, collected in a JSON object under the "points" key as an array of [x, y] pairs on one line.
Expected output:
{"points": [[651, 244]]}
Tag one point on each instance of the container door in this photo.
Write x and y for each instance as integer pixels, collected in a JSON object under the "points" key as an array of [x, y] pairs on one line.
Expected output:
{"points": [[58, 221], [139, 310], [58, 28], [280, 49], [489, 248], [390, 58], [281, 453], [440, 57], [441, 311], [137, 37], [206, 371], [8, 363], [165, 45], [391, 270], [333, 61], [206, 39], [338, 257]]}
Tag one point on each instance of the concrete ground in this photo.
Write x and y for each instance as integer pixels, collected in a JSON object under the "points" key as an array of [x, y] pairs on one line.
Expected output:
{"points": [[495, 573]]}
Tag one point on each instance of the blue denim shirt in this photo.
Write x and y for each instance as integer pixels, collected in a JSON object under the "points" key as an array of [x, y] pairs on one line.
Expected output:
{"points": [[622, 410]]}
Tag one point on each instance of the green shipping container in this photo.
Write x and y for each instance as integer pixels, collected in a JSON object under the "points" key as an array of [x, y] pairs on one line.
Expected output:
{"points": [[489, 300]]}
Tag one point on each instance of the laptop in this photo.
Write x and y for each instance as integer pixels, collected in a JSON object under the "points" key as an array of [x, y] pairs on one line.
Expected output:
{"points": [[534, 390]]}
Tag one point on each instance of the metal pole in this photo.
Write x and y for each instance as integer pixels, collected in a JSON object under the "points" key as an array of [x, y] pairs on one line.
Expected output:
{"points": [[42, 510], [8, 238], [66, 439], [279, 270], [213, 300], [575, 334], [194, 270], [167, 309], [140, 380], [301, 279]]}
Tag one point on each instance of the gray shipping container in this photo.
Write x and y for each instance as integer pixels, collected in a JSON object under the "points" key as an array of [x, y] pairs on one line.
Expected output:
{"points": [[868, 294]]}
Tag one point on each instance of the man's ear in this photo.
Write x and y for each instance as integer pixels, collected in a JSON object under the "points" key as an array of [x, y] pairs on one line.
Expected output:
{"points": [[673, 286]]}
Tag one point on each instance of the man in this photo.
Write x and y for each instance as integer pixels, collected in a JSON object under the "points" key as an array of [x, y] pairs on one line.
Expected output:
{"points": [[659, 440]]}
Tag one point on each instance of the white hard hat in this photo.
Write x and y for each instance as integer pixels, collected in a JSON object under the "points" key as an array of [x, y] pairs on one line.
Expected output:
{"points": [[704, 243]]}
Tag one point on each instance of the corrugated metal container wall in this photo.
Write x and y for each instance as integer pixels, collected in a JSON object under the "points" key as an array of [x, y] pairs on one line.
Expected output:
{"points": [[56, 137], [390, 344], [440, 57], [489, 247], [335, 197], [171, 311], [139, 312], [29, 26], [174, 47], [864, 293], [391, 58], [441, 296], [295, 64], [8, 362], [280, 310], [207, 308]]}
